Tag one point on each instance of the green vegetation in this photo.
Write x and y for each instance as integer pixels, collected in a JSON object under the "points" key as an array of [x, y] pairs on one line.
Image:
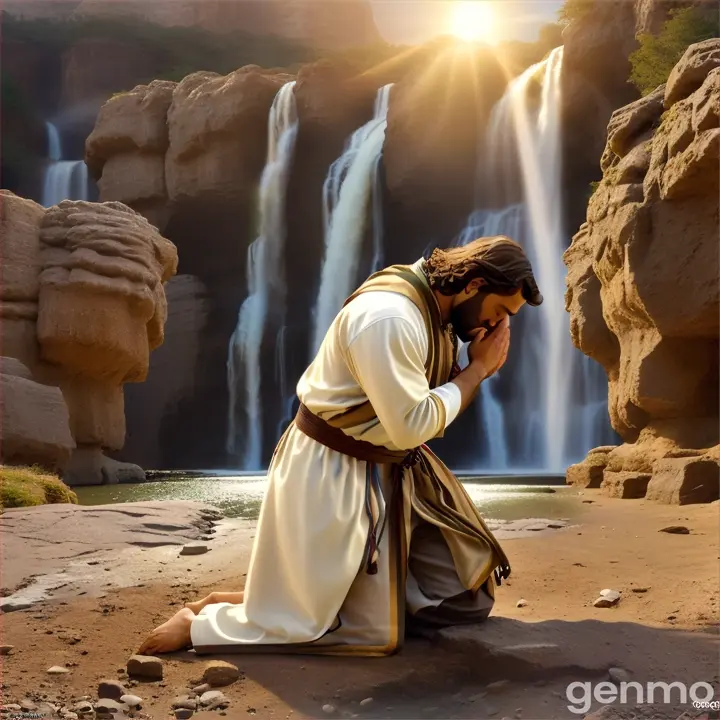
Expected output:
{"points": [[653, 61], [574, 10], [30, 486]]}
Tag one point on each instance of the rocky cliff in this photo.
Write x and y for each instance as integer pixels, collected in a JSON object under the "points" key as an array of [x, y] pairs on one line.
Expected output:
{"points": [[643, 291], [82, 307]]}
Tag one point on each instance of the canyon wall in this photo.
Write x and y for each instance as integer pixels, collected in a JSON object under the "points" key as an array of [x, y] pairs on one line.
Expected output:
{"points": [[643, 291]]}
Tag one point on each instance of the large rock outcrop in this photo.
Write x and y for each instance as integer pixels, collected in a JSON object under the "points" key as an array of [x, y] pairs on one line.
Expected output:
{"points": [[82, 307], [643, 291]]}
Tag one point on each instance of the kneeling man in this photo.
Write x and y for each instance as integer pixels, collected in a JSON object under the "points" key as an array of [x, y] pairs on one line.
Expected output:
{"points": [[363, 528]]}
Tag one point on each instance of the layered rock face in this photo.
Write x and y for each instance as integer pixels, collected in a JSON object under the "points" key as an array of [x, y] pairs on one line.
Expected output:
{"points": [[643, 291], [83, 306]]}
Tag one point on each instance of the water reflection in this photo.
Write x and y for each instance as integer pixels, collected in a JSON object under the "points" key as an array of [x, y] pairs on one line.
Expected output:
{"points": [[241, 496]]}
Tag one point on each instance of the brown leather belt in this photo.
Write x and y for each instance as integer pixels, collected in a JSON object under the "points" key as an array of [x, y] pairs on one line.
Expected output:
{"points": [[335, 439]]}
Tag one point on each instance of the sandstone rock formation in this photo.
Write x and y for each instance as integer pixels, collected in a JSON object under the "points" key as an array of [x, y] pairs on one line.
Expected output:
{"points": [[82, 307], [34, 420], [126, 150], [643, 291]]}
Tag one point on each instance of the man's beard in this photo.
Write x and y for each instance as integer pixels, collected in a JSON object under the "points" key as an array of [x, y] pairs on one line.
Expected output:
{"points": [[464, 317]]}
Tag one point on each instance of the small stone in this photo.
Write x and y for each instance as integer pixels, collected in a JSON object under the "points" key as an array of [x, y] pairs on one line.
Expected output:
{"points": [[640, 589], [183, 714], [132, 701], [83, 708], [107, 706], [57, 670], [366, 701], [145, 668], [618, 675], [497, 686], [194, 549], [111, 690], [210, 697], [602, 602], [521, 603], [219, 673], [6, 649], [200, 689], [11, 708], [28, 705], [328, 709], [607, 598], [184, 703], [676, 530]]}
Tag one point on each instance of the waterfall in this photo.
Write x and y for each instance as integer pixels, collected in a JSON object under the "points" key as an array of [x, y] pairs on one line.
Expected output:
{"points": [[266, 287], [64, 179], [539, 424], [352, 183]]}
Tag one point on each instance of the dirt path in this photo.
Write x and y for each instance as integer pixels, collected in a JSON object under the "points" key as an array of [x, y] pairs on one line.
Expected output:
{"points": [[518, 665]]}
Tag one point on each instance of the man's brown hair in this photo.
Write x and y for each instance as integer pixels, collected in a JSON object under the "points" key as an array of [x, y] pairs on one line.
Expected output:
{"points": [[500, 261]]}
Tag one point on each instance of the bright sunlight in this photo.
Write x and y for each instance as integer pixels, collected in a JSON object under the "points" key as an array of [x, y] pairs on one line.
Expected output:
{"points": [[473, 20]]}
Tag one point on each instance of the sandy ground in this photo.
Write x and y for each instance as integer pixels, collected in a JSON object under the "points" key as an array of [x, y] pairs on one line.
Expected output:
{"points": [[663, 629]]}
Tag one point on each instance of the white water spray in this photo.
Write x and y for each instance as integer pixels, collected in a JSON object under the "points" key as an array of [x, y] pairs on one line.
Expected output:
{"points": [[352, 183], [540, 413], [64, 179], [265, 272]]}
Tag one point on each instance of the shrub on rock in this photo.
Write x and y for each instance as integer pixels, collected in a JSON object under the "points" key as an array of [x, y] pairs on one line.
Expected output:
{"points": [[30, 486]]}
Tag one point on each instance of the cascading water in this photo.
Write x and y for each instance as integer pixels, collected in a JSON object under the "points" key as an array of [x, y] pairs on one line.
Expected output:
{"points": [[266, 275], [353, 182], [64, 179], [540, 423]]}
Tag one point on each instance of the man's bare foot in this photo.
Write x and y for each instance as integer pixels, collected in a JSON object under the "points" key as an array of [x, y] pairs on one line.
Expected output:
{"points": [[170, 636], [235, 598]]}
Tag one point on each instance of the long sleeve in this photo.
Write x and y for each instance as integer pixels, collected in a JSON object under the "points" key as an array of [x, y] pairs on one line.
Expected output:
{"points": [[387, 358]]}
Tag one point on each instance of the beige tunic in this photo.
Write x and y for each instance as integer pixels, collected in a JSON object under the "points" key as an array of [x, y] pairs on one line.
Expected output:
{"points": [[306, 576]]}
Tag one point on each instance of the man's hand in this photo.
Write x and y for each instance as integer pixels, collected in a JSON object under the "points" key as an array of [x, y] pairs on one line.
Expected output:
{"points": [[488, 353]]}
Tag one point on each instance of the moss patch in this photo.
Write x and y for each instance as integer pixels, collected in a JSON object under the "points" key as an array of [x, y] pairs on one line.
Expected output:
{"points": [[29, 486]]}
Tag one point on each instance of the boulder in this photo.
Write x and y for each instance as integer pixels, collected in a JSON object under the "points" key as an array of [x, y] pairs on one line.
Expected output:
{"points": [[627, 485], [126, 150], [34, 420], [690, 73], [684, 481], [589, 472], [642, 304]]}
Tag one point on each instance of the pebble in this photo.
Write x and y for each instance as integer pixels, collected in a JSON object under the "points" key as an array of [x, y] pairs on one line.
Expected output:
{"points": [[11, 708], [200, 689], [28, 705], [640, 589], [57, 670], [107, 706], [676, 530], [366, 701], [132, 701], [618, 675], [522, 602], [6, 649], [194, 549], [213, 700], [183, 714], [607, 598], [328, 709], [184, 703], [83, 708], [219, 673], [497, 686], [111, 690], [145, 668]]}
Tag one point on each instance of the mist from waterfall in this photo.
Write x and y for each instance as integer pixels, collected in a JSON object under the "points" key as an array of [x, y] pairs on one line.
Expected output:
{"points": [[535, 417], [63, 179], [266, 289], [352, 183]]}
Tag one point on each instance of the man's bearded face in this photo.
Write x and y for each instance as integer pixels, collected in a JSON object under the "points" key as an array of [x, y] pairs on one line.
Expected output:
{"points": [[482, 309]]}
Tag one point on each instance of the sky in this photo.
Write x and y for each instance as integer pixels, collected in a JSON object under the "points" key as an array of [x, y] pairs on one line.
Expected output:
{"points": [[415, 21]]}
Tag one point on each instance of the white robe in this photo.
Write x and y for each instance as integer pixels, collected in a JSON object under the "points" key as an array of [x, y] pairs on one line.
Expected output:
{"points": [[305, 575]]}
